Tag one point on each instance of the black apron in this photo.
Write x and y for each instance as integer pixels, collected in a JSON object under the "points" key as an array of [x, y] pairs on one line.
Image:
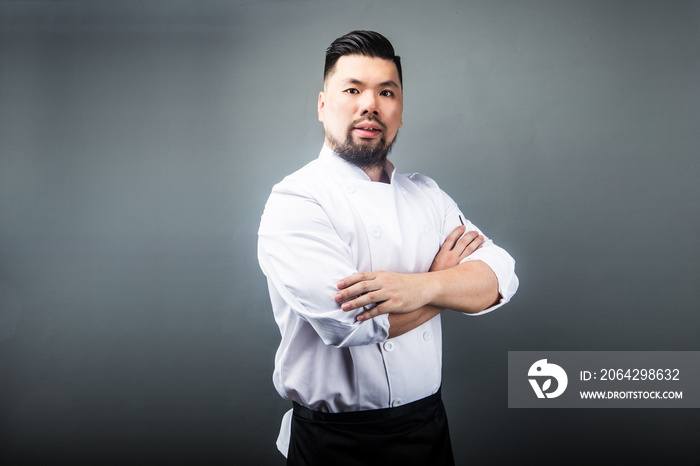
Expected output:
{"points": [[412, 434]]}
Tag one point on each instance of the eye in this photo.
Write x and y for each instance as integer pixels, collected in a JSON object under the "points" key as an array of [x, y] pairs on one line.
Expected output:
{"points": [[352, 91], [387, 93]]}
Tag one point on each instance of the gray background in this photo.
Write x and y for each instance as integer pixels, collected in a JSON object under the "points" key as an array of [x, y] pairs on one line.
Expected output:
{"points": [[139, 142]]}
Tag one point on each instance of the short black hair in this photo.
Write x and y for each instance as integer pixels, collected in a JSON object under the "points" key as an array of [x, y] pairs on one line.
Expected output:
{"points": [[366, 43]]}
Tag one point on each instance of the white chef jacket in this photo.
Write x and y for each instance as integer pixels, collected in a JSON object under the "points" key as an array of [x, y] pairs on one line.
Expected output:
{"points": [[325, 222]]}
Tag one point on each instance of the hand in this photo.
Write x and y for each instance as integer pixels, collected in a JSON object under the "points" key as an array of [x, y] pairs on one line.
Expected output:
{"points": [[456, 247], [392, 292], [400, 293]]}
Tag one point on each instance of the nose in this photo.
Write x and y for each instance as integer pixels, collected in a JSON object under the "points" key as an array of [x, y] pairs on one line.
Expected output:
{"points": [[369, 104]]}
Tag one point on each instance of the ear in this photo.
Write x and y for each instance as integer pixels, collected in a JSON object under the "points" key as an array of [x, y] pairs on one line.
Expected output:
{"points": [[321, 105]]}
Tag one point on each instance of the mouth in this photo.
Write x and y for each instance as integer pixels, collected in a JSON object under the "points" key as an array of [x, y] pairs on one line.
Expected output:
{"points": [[368, 129]]}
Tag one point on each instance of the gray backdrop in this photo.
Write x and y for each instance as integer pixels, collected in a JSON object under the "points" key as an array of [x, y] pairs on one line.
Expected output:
{"points": [[139, 142]]}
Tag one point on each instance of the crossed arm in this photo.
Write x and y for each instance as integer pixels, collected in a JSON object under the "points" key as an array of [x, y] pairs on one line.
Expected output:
{"points": [[412, 299]]}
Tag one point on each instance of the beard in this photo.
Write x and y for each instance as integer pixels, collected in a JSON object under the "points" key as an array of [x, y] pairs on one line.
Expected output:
{"points": [[366, 154]]}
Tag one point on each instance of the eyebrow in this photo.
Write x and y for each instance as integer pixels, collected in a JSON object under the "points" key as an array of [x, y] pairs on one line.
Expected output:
{"points": [[357, 82]]}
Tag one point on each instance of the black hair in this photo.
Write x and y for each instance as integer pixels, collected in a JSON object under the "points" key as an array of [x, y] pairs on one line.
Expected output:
{"points": [[366, 43]]}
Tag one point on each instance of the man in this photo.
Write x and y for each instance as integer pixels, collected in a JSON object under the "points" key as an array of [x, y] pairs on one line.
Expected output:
{"points": [[360, 262]]}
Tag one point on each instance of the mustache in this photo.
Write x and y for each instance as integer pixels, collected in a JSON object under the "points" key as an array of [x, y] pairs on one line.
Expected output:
{"points": [[366, 119]]}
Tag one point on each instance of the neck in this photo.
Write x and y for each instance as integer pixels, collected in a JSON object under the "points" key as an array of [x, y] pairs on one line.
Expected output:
{"points": [[377, 174]]}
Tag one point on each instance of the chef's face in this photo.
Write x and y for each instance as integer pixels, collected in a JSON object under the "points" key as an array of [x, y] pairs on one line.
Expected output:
{"points": [[360, 108]]}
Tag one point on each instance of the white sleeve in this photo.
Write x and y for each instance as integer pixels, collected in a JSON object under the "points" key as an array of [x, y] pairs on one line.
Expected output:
{"points": [[502, 264], [303, 258]]}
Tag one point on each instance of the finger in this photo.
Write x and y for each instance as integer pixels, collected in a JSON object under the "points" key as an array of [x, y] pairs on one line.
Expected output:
{"points": [[470, 243], [453, 237], [354, 278], [356, 290], [352, 286], [473, 245], [462, 246], [372, 313], [361, 301], [465, 240]]}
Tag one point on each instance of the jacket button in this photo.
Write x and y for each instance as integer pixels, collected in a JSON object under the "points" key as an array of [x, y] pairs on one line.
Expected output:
{"points": [[396, 402], [389, 346], [427, 336], [375, 231]]}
